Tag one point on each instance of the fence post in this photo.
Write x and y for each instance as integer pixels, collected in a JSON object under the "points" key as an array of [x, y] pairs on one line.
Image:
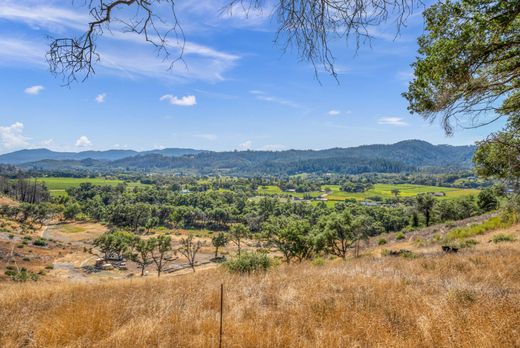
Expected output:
{"points": [[221, 313]]}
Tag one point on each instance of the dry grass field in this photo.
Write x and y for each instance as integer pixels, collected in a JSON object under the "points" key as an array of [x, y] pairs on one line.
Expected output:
{"points": [[468, 299]]}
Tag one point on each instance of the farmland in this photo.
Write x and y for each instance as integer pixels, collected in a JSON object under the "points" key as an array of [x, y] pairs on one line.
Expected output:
{"points": [[381, 191], [57, 186]]}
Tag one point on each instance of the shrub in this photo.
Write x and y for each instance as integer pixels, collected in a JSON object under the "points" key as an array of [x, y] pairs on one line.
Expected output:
{"points": [[399, 236], [381, 241], [468, 243], [22, 275], [403, 253], [502, 237], [40, 242], [249, 263]]}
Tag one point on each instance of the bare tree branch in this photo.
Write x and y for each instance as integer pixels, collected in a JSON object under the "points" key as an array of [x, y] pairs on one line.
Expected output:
{"points": [[305, 25]]}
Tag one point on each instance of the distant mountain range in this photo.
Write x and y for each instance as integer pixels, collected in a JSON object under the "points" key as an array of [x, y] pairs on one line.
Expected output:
{"points": [[409, 155], [35, 155]]}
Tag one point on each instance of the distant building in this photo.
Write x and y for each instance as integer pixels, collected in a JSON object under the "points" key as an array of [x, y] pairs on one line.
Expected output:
{"points": [[370, 204], [439, 194], [185, 191]]}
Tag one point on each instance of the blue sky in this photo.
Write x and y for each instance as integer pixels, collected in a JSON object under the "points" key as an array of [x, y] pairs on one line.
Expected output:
{"points": [[236, 89]]}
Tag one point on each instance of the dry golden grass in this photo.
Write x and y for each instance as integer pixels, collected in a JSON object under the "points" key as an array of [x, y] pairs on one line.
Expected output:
{"points": [[470, 299]]}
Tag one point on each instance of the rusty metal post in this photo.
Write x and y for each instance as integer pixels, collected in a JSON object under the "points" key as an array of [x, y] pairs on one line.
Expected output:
{"points": [[221, 313]]}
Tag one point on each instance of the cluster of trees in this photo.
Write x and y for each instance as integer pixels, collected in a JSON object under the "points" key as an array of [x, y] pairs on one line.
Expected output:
{"points": [[34, 213], [159, 251], [144, 208], [24, 190]]}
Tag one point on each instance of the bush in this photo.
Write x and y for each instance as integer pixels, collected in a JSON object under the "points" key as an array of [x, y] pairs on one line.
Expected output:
{"points": [[381, 241], [399, 236], [249, 263], [40, 242], [22, 275], [468, 243], [502, 237], [407, 254]]}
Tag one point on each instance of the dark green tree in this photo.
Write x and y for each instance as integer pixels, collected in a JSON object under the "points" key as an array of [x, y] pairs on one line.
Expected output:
{"points": [[468, 64], [219, 241]]}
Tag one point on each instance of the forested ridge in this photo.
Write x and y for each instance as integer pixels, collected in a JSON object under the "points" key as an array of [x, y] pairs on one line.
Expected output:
{"points": [[404, 156]]}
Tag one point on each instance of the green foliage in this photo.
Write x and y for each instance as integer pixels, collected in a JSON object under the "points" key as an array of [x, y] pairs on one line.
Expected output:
{"points": [[318, 261], [468, 61], [114, 245], [40, 242], [219, 241], [425, 204], [248, 263], [487, 200], [502, 237], [382, 241], [499, 155], [491, 224], [399, 236], [237, 233], [292, 236], [21, 275], [468, 243], [71, 210]]}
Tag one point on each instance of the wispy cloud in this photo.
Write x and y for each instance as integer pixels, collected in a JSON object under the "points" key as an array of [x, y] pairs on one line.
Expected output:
{"points": [[50, 17], [334, 113], [392, 121], [12, 136], [121, 53], [100, 98], [34, 90], [260, 95], [189, 100]]}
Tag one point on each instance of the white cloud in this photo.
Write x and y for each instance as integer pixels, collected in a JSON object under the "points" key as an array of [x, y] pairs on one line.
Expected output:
{"points": [[273, 147], [246, 145], [34, 90], [12, 136], [188, 100], [334, 113], [83, 141], [393, 121], [100, 98]]}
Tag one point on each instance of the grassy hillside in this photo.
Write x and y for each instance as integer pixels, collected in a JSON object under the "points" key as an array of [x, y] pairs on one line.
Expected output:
{"points": [[469, 299]]}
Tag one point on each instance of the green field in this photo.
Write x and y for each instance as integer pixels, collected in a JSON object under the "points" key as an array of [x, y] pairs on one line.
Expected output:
{"points": [[379, 190], [57, 186]]}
